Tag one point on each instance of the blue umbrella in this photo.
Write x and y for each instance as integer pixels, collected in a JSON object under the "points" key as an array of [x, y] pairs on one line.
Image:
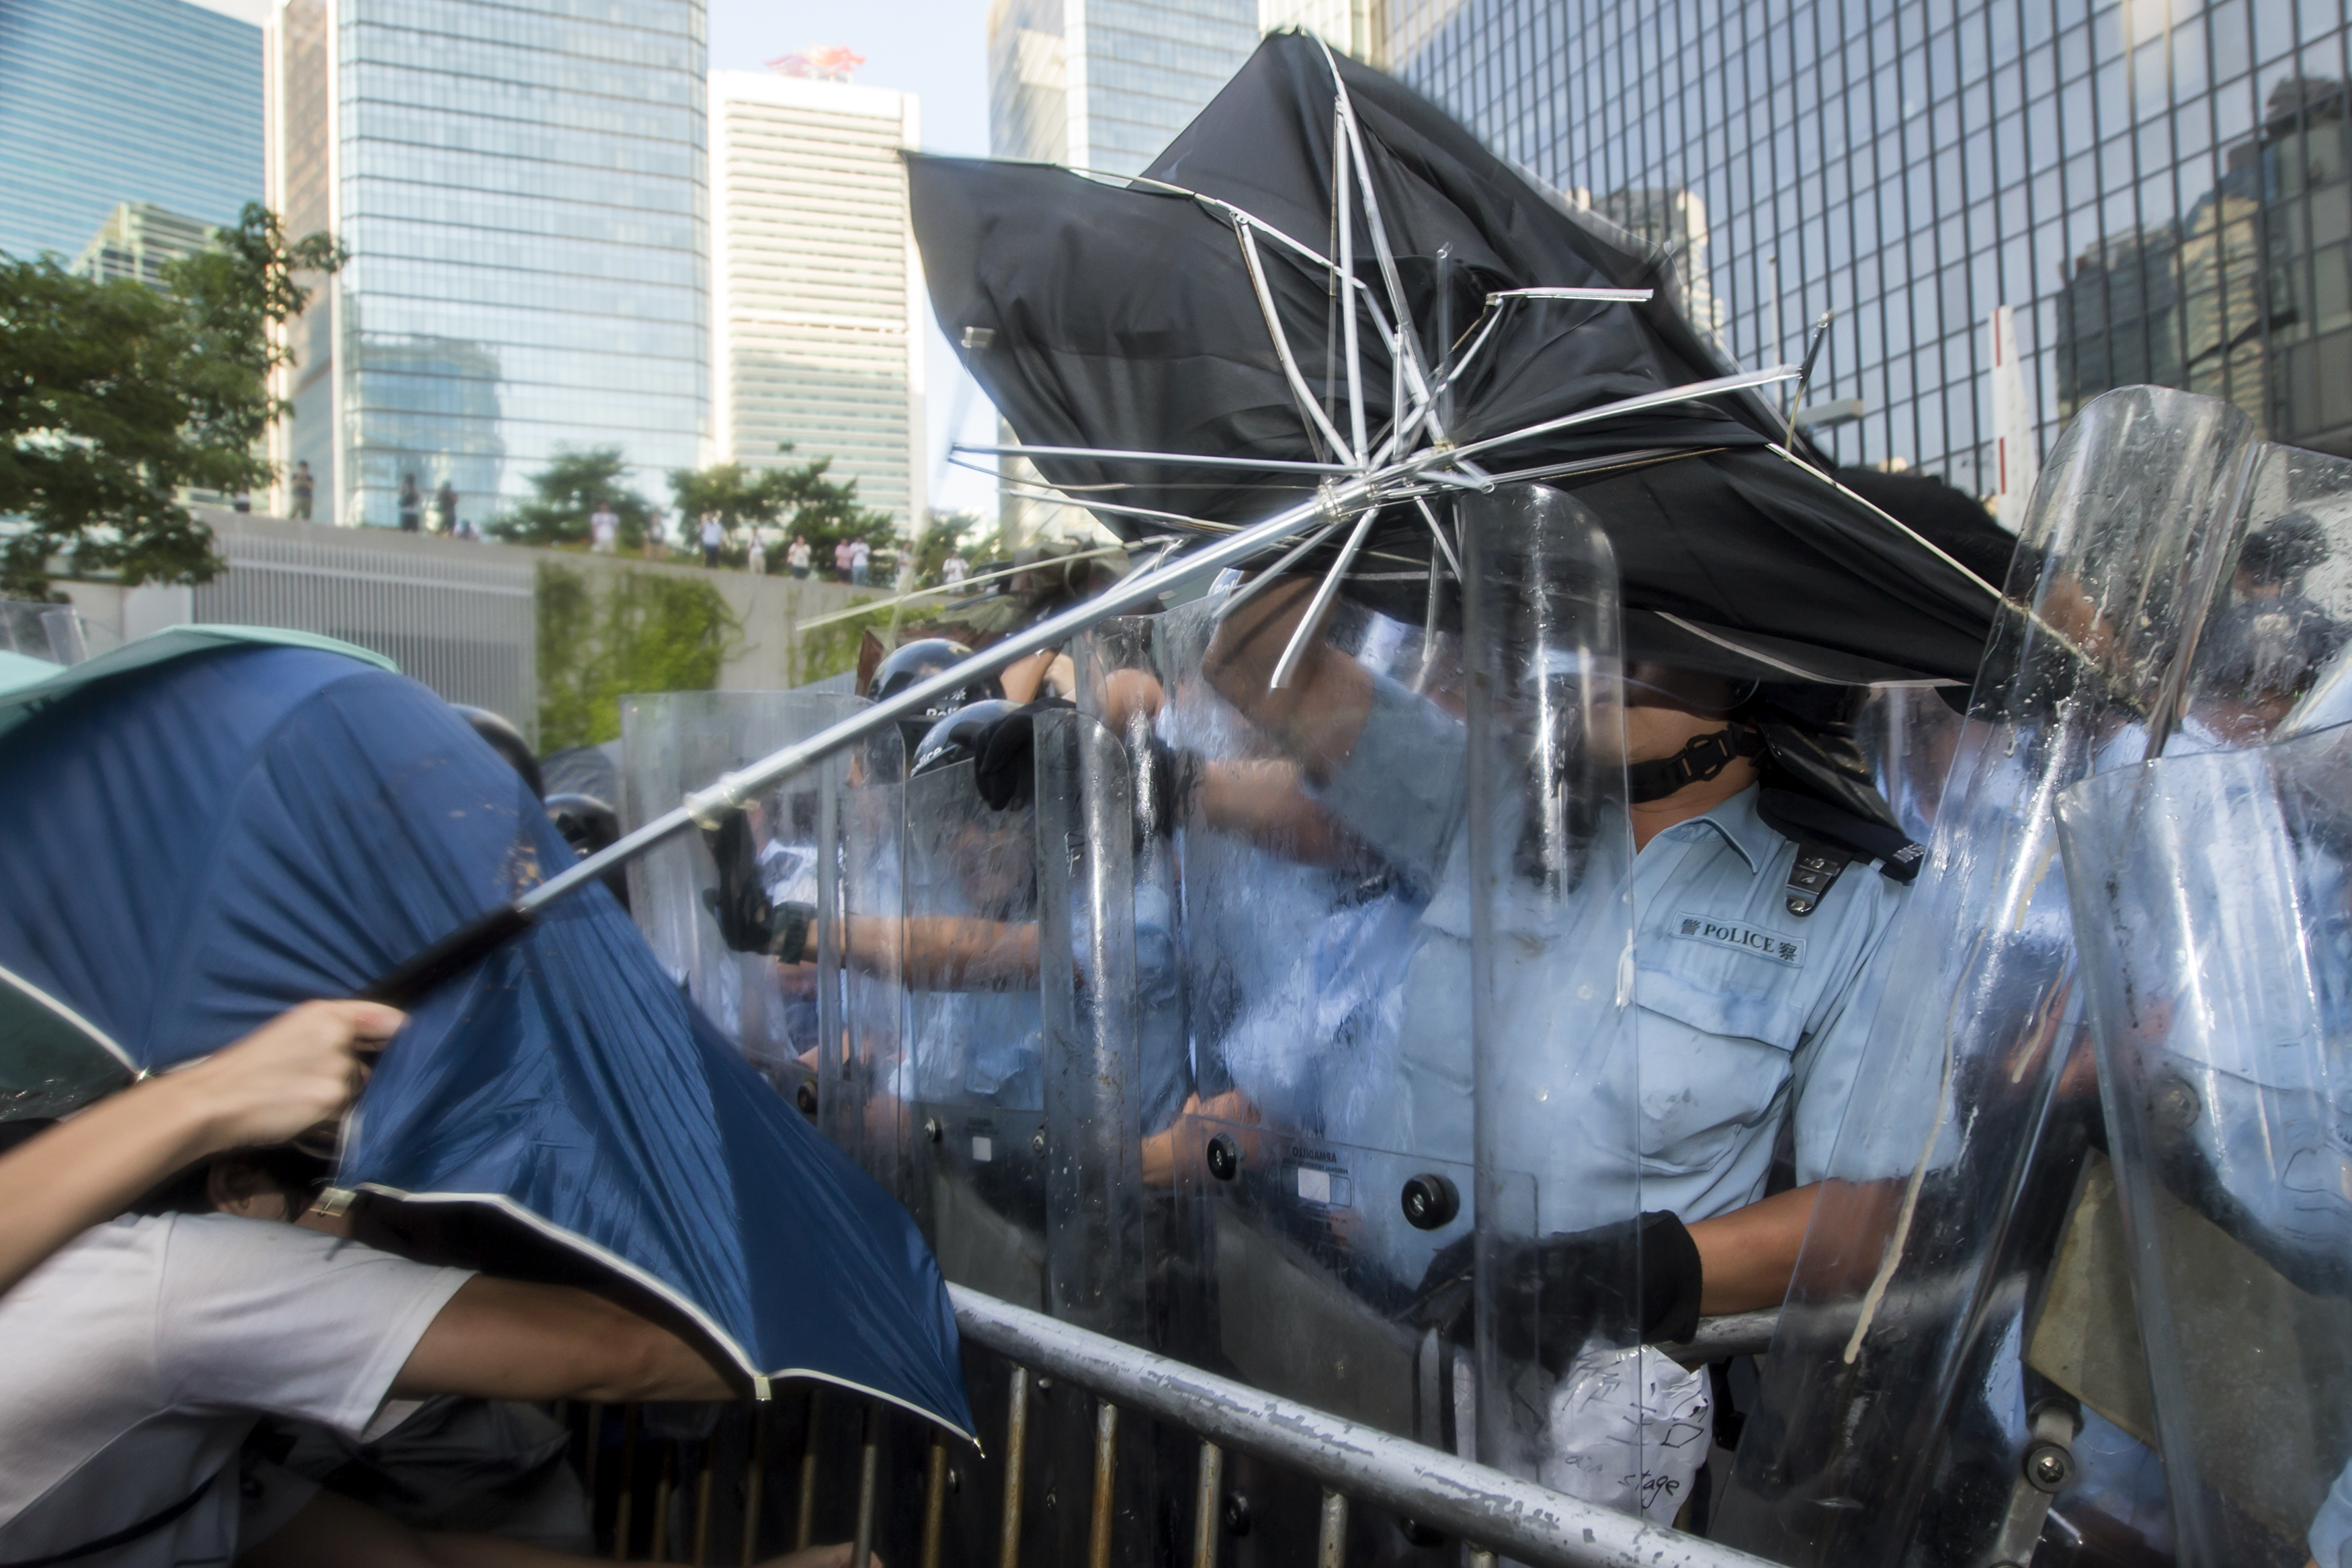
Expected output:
{"points": [[193, 843]]}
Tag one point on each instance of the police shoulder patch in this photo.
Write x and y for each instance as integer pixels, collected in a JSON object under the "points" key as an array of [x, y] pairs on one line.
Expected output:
{"points": [[1754, 940]]}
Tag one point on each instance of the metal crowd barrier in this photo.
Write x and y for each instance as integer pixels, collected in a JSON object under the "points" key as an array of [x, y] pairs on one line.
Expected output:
{"points": [[1497, 1516]]}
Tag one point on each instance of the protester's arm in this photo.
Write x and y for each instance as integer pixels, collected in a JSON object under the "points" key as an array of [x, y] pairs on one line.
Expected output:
{"points": [[942, 952], [1747, 1257], [298, 1070], [333, 1531], [1318, 715], [500, 1339]]}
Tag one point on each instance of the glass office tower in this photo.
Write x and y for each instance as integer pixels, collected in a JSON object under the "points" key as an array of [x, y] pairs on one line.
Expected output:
{"points": [[108, 101], [2159, 187], [523, 189], [1106, 84]]}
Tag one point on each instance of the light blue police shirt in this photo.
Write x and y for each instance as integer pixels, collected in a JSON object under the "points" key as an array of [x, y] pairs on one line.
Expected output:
{"points": [[1746, 1015]]}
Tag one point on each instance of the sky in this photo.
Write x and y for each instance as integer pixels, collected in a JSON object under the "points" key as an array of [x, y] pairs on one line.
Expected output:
{"points": [[937, 49]]}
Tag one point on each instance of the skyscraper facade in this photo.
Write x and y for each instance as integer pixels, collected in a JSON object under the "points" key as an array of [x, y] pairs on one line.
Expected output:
{"points": [[817, 295], [523, 191], [1106, 84], [1102, 85], [108, 101], [2158, 187]]}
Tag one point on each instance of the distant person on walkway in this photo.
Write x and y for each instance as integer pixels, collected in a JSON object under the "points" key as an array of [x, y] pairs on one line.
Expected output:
{"points": [[841, 561], [953, 570], [444, 507], [861, 557], [412, 506], [758, 557], [797, 557], [303, 488], [714, 534], [243, 502], [604, 529]]}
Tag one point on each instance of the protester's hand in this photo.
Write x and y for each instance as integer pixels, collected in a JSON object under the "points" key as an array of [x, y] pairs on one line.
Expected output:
{"points": [[301, 1069]]}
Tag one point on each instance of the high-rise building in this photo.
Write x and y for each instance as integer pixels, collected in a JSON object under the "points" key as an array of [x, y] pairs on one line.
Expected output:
{"points": [[2159, 188], [816, 293], [1106, 84], [108, 101], [137, 241], [1102, 85], [522, 190]]}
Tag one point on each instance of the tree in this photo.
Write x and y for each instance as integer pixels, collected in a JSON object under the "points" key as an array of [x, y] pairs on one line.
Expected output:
{"points": [[797, 496], [116, 397], [947, 534], [569, 489]]}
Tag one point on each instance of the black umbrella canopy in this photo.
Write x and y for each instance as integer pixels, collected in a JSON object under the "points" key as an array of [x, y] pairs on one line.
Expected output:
{"points": [[1198, 312]]}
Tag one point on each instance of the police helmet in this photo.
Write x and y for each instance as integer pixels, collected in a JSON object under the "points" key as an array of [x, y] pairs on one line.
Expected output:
{"points": [[919, 661], [954, 738], [508, 742]]}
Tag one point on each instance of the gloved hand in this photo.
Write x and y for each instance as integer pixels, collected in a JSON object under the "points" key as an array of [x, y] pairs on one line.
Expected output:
{"points": [[1554, 1293], [1004, 756], [748, 923]]}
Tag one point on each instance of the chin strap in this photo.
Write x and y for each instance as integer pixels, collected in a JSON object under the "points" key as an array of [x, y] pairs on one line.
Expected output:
{"points": [[1701, 758]]}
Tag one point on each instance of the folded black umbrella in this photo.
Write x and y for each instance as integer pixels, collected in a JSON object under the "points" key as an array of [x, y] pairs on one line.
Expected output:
{"points": [[1177, 353]]}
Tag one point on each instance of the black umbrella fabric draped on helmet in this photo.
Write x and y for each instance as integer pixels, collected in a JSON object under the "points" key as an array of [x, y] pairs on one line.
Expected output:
{"points": [[1177, 353]]}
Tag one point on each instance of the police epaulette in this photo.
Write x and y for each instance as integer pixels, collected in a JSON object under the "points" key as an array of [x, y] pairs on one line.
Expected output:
{"points": [[1812, 874]]}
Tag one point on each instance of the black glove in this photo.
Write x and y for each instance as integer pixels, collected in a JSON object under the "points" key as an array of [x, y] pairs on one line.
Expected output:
{"points": [[748, 923], [1556, 1292], [1004, 756]]}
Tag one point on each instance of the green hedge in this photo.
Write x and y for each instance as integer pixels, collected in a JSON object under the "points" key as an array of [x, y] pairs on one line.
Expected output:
{"points": [[641, 631]]}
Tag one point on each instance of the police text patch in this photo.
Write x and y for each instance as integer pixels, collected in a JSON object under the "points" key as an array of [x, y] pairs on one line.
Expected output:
{"points": [[1747, 938]]}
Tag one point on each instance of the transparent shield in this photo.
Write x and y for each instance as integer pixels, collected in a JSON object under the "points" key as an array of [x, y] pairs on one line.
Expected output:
{"points": [[1545, 879], [973, 1076], [1909, 735], [825, 843], [1321, 838], [2217, 955], [1900, 1403], [1288, 940]]}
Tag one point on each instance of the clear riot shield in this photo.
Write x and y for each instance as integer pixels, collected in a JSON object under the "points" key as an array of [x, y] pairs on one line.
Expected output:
{"points": [[2212, 907], [1555, 1075], [826, 841], [1324, 844], [1898, 1411], [973, 1075], [1909, 735]]}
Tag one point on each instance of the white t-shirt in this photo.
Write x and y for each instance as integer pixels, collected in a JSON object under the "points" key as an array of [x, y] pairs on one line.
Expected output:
{"points": [[137, 1358]]}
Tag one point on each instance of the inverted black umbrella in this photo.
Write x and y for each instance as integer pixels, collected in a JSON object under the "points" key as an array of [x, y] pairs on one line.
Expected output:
{"points": [[1325, 312], [1324, 277]]}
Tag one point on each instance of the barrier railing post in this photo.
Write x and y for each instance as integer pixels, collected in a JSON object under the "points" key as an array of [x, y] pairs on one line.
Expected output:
{"points": [[621, 1520], [1105, 1483], [805, 1525], [935, 1504], [1016, 1448], [1207, 1505], [1331, 1544], [870, 1464], [755, 1485], [702, 1501]]}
